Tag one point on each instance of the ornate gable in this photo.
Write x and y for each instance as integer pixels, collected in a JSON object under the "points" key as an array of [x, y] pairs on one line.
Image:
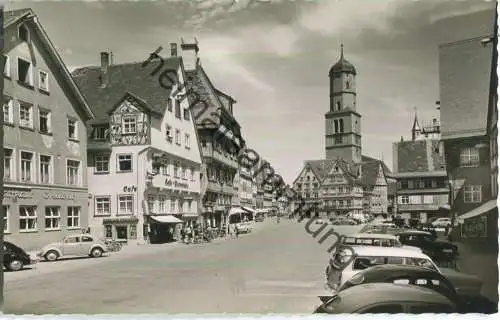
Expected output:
{"points": [[129, 122]]}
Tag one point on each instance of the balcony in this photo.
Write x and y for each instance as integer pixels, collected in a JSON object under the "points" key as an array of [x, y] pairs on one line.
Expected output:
{"points": [[225, 158], [217, 187]]}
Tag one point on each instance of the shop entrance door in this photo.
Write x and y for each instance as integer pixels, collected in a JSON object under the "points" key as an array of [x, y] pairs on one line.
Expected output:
{"points": [[121, 233]]}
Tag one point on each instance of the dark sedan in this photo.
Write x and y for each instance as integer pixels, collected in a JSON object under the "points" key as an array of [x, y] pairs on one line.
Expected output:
{"points": [[436, 249], [15, 258], [387, 298]]}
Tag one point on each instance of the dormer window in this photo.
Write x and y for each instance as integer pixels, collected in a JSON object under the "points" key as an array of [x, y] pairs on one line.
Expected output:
{"points": [[23, 33]]}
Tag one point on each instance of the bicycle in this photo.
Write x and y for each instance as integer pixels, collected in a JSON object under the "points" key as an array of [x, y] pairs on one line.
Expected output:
{"points": [[113, 245]]}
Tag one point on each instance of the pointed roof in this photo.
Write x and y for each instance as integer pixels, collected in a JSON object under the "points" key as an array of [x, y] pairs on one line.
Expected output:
{"points": [[27, 15], [342, 66], [416, 125]]}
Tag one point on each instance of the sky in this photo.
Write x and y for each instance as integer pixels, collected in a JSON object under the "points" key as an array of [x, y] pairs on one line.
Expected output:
{"points": [[273, 57]]}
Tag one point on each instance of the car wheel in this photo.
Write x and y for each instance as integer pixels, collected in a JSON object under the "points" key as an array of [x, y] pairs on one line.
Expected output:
{"points": [[52, 255], [96, 252], [15, 265]]}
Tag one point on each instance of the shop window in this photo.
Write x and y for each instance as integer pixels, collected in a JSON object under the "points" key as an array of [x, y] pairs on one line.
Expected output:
{"points": [[108, 231], [121, 232], [133, 232]]}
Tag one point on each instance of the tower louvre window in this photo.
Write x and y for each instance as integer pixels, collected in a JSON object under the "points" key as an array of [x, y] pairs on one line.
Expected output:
{"points": [[341, 125], [347, 85], [339, 106], [336, 126]]}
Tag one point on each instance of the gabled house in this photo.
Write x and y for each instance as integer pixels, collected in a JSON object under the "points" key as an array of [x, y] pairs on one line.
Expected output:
{"points": [[220, 140], [45, 138], [339, 192], [144, 157]]}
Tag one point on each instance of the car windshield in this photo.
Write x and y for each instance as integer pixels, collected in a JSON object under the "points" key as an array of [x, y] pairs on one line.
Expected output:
{"points": [[421, 262], [365, 262], [371, 242]]}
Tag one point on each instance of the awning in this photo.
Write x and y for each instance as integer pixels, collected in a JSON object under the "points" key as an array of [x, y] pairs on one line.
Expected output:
{"points": [[166, 219], [445, 206], [248, 209], [485, 207], [236, 210]]}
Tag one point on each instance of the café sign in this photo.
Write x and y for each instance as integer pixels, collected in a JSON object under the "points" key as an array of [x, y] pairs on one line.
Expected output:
{"points": [[176, 184]]}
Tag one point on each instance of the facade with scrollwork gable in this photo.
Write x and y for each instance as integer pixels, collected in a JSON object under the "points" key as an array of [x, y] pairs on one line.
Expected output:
{"points": [[144, 159]]}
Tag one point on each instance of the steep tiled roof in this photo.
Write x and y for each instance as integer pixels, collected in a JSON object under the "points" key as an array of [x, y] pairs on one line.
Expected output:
{"points": [[320, 167], [418, 156], [127, 77], [387, 171], [198, 81], [464, 75], [392, 188]]}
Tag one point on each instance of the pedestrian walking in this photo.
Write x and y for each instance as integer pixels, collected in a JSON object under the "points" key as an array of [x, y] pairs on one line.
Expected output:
{"points": [[236, 231]]}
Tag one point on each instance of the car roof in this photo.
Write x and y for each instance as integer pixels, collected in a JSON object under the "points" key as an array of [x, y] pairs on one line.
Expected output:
{"points": [[398, 268], [362, 295], [414, 232], [388, 252], [372, 235]]}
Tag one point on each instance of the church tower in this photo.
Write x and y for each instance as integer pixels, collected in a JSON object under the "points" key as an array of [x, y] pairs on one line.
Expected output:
{"points": [[342, 122]]}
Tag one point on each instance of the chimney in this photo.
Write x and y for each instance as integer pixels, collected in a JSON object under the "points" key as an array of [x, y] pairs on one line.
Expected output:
{"points": [[104, 69], [173, 49], [190, 54]]}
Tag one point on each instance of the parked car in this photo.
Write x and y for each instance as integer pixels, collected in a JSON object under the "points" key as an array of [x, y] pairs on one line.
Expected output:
{"points": [[368, 256], [319, 221], [436, 249], [244, 227], [374, 239], [74, 246], [387, 298], [441, 223], [15, 258], [259, 218], [454, 286]]}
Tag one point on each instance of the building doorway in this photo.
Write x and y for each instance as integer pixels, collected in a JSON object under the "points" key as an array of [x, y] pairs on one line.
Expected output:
{"points": [[121, 233]]}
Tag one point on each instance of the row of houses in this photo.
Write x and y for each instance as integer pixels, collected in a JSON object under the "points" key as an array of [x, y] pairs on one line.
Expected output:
{"points": [[110, 150]]}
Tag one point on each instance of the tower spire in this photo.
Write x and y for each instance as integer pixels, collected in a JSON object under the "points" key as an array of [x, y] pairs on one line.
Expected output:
{"points": [[415, 130], [341, 51]]}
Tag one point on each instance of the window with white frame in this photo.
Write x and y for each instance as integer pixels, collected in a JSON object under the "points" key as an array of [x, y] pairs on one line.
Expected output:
{"points": [[161, 204], [176, 169], [73, 172], [73, 217], [404, 199], [415, 200], [191, 174], [168, 133], [187, 141], [44, 120], [469, 157], [151, 203], [165, 168], [8, 109], [126, 204], [26, 166], [172, 205], [472, 194], [186, 114], [190, 205], [43, 81], [101, 163], [6, 69], [45, 169], [24, 72], [129, 124], [25, 115], [8, 164], [72, 129], [183, 173], [102, 206], [428, 199], [6, 220], [178, 136], [52, 218], [124, 162], [100, 133], [27, 218]]}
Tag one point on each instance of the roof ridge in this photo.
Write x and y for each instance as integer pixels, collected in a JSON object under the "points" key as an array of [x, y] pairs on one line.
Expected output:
{"points": [[114, 65]]}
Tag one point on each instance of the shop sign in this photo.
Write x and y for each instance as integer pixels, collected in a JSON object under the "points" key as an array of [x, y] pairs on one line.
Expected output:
{"points": [[129, 189], [58, 196], [176, 184], [18, 194]]}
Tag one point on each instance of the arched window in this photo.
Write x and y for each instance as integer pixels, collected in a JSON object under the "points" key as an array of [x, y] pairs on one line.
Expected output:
{"points": [[339, 106], [347, 85], [336, 126], [23, 33], [341, 125]]}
